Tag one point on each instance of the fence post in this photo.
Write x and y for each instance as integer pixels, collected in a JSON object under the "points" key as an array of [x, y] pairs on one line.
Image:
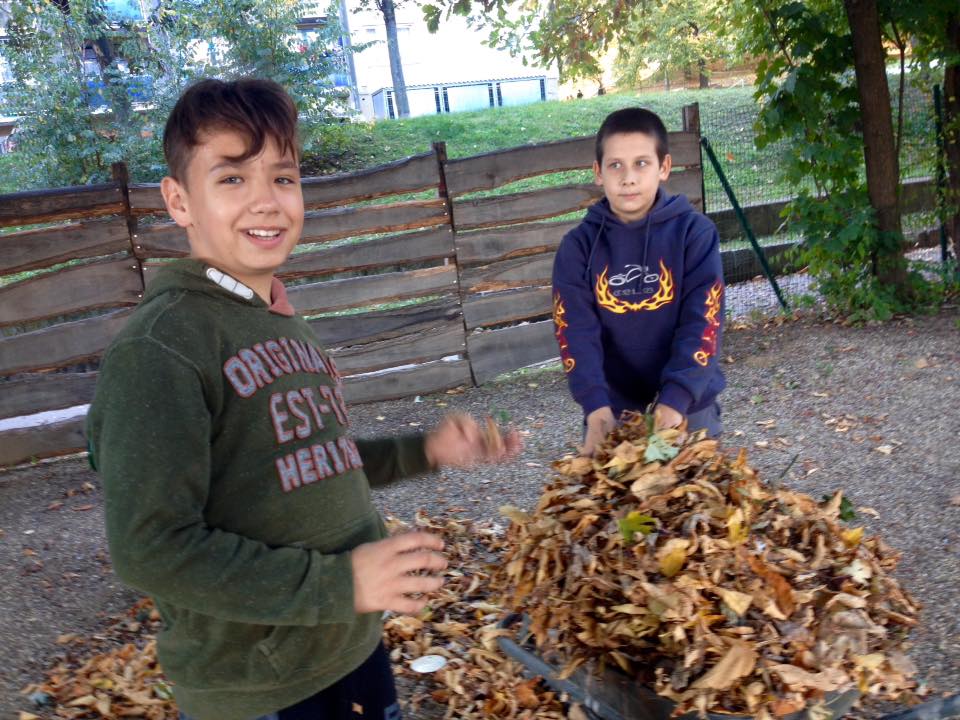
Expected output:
{"points": [[440, 150], [121, 176], [691, 124]]}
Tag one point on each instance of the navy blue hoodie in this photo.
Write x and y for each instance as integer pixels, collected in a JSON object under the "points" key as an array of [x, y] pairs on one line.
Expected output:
{"points": [[638, 308]]}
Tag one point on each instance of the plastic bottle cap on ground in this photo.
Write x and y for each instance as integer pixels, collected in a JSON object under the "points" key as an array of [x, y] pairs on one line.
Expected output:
{"points": [[428, 663]]}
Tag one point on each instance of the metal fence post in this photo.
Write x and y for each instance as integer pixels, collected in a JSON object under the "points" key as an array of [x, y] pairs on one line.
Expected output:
{"points": [[743, 222]]}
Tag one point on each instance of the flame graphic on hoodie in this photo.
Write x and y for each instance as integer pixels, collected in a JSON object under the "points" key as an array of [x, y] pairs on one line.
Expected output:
{"points": [[708, 347], [559, 326], [663, 296]]}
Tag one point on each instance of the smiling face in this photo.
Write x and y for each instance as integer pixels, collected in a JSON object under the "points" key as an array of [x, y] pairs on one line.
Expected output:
{"points": [[242, 217], [630, 174]]}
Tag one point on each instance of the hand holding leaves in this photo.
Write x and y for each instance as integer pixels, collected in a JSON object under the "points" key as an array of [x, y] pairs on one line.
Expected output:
{"points": [[459, 441]]}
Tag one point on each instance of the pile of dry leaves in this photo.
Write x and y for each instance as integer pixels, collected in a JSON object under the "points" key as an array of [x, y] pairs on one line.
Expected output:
{"points": [[660, 556], [116, 674], [672, 561], [460, 624]]}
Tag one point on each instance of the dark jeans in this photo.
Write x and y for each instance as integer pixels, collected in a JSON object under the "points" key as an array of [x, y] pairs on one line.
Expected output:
{"points": [[368, 693]]}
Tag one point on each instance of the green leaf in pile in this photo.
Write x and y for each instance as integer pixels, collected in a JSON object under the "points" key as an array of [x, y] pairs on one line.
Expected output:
{"points": [[659, 449], [636, 522]]}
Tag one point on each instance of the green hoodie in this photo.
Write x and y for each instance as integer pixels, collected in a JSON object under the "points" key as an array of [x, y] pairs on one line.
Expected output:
{"points": [[234, 494]]}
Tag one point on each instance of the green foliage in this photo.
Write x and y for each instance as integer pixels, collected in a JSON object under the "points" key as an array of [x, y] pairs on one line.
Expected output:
{"points": [[675, 35], [809, 99], [61, 140]]}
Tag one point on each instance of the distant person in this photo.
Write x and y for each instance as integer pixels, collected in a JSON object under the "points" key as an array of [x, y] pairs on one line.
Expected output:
{"points": [[235, 493], [638, 291], [579, 94]]}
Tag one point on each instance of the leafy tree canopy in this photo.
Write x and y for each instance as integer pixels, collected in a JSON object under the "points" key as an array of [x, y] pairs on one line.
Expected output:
{"points": [[92, 88]]}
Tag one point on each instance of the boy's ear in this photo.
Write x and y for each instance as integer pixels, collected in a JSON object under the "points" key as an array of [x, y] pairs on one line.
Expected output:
{"points": [[597, 177], [175, 197], [665, 167]]}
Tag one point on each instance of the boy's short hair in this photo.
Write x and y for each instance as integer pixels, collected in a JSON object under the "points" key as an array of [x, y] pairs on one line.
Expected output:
{"points": [[254, 108], [634, 120]]}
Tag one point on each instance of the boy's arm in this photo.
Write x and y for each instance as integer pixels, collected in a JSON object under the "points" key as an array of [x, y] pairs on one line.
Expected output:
{"points": [[149, 431], [696, 339], [576, 326], [388, 459]]}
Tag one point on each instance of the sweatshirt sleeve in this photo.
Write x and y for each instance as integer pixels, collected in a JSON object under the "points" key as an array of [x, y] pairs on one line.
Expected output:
{"points": [[576, 326], [149, 432], [388, 459], [696, 341]]}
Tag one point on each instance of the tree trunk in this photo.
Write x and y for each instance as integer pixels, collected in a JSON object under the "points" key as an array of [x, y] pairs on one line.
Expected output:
{"points": [[951, 125], [393, 49], [879, 148], [704, 78]]}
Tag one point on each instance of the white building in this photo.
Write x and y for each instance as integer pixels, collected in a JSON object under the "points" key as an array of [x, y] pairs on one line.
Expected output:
{"points": [[447, 71]]}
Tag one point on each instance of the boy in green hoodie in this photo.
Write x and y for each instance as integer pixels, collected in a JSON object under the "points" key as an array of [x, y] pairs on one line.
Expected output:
{"points": [[234, 493]]}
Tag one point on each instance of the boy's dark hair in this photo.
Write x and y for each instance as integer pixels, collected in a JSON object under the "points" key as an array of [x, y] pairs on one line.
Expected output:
{"points": [[634, 120], [254, 108]]}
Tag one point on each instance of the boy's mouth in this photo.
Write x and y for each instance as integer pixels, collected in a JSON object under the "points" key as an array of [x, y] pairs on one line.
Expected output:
{"points": [[261, 233]]}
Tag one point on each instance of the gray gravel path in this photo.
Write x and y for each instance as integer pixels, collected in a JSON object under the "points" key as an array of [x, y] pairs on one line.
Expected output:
{"points": [[830, 395]]}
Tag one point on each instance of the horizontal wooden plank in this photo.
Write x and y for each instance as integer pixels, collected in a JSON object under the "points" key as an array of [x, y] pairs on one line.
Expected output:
{"points": [[145, 199], [60, 345], [412, 174], [25, 445], [71, 203], [743, 264], [486, 246], [503, 307], [385, 324], [499, 351], [45, 391], [523, 207], [507, 274], [83, 287], [32, 249], [917, 195], [404, 350], [160, 240], [416, 247], [688, 182], [169, 240], [494, 169], [372, 289], [338, 223], [421, 380]]}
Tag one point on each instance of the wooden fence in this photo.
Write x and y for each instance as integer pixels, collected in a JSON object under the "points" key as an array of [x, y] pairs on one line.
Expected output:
{"points": [[473, 258]]}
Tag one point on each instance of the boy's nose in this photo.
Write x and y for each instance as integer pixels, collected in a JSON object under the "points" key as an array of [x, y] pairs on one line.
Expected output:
{"points": [[264, 197]]}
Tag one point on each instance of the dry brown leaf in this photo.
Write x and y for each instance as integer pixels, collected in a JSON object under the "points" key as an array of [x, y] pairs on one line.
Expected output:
{"points": [[738, 662]]}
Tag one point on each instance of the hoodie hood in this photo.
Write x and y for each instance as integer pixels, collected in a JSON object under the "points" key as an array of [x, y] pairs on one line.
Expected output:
{"points": [[197, 276], [665, 208], [603, 225]]}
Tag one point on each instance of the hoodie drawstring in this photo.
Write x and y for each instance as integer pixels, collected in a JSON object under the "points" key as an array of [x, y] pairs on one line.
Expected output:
{"points": [[593, 250]]}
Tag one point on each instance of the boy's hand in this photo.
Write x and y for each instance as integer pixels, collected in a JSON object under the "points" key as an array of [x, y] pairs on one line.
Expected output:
{"points": [[382, 573], [599, 423], [665, 417], [458, 441]]}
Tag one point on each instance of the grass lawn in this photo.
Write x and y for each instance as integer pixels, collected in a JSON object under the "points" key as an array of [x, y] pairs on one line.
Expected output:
{"points": [[727, 117]]}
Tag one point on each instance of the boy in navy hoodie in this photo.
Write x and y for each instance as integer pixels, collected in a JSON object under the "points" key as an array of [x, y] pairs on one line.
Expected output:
{"points": [[638, 291]]}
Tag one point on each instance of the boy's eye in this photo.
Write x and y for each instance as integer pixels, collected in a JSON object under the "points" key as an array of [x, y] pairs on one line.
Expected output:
{"points": [[615, 165], [231, 180], [286, 181]]}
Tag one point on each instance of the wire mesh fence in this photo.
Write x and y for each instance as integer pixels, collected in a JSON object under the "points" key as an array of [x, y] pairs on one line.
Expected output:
{"points": [[756, 180]]}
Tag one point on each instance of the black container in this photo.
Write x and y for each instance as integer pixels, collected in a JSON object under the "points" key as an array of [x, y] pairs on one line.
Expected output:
{"points": [[614, 696]]}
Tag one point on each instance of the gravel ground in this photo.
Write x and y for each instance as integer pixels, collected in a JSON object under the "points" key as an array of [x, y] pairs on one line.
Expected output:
{"points": [[874, 411]]}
